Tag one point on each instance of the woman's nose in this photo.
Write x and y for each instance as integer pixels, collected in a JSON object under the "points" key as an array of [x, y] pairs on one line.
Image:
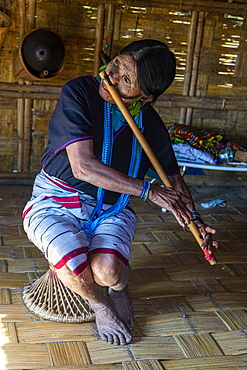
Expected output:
{"points": [[114, 77]]}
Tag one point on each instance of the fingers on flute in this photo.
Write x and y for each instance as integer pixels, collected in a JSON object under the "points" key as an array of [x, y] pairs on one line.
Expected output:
{"points": [[210, 244], [181, 217], [216, 245], [210, 230]]}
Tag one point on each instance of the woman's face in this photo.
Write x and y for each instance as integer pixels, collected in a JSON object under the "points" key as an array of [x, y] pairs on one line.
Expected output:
{"points": [[122, 72]]}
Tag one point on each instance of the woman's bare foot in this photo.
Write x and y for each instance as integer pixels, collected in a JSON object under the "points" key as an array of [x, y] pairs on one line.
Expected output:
{"points": [[110, 328], [121, 303]]}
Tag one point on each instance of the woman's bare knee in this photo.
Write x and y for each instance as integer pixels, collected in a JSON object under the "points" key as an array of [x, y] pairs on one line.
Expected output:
{"points": [[106, 269]]}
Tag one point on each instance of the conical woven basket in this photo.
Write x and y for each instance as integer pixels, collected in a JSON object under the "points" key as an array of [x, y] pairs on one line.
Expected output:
{"points": [[4, 26], [50, 299]]}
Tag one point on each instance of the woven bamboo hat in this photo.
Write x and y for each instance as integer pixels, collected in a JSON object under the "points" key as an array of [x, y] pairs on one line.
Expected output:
{"points": [[40, 56], [50, 299]]}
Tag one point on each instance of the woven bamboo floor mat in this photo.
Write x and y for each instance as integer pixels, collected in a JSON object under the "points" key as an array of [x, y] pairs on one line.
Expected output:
{"points": [[188, 314]]}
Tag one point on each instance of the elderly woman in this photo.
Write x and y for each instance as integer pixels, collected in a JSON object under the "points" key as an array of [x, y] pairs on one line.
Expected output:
{"points": [[79, 215]]}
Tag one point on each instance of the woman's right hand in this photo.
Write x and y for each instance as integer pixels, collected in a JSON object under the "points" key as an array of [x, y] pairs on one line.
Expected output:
{"points": [[172, 200]]}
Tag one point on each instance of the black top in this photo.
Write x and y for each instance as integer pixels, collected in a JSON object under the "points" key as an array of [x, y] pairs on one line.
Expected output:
{"points": [[79, 115]]}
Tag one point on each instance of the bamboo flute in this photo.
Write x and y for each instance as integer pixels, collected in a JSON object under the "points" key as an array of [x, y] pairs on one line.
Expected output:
{"points": [[152, 157]]}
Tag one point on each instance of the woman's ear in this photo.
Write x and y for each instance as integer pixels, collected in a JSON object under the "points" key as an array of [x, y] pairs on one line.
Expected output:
{"points": [[146, 99]]}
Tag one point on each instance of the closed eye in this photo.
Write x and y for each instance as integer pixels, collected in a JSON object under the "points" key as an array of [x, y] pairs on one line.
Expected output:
{"points": [[126, 80]]}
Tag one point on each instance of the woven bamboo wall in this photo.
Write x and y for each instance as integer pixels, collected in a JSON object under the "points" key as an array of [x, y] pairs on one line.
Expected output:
{"points": [[208, 37]]}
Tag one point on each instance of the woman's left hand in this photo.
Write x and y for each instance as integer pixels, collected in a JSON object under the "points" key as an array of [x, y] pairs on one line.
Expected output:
{"points": [[207, 234]]}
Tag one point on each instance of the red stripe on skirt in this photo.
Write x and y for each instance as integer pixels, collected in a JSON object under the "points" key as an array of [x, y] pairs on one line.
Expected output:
{"points": [[69, 256], [61, 184], [26, 212], [81, 268], [68, 202]]}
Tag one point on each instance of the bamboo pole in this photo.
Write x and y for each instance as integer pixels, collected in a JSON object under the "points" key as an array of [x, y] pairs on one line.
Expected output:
{"points": [[28, 102], [39, 89], [22, 18], [49, 92], [110, 27], [31, 15], [27, 135], [152, 157], [189, 61], [20, 94], [117, 25], [20, 102], [196, 58], [20, 133], [190, 53], [217, 7], [99, 37]]}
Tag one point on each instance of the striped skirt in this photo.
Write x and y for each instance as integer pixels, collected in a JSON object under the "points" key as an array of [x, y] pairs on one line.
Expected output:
{"points": [[54, 219]]}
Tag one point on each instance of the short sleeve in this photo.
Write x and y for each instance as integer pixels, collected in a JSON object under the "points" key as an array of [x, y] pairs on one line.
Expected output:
{"points": [[73, 116], [71, 119]]}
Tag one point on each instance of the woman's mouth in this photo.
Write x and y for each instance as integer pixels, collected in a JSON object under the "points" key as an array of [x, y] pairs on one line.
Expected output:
{"points": [[104, 87]]}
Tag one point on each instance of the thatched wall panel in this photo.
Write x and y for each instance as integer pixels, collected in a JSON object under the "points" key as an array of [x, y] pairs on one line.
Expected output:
{"points": [[223, 61], [8, 145], [6, 104], [11, 41], [236, 128], [76, 25], [169, 115], [169, 27], [43, 107], [39, 141], [35, 163], [7, 119], [8, 162], [40, 124], [227, 86], [209, 61], [43, 110]]}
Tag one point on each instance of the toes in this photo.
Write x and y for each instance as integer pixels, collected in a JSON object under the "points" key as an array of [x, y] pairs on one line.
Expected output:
{"points": [[128, 339], [110, 339], [124, 339], [117, 338], [121, 339], [107, 338], [104, 337]]}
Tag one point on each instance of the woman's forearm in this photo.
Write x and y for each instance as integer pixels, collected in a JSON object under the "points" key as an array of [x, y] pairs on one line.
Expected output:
{"points": [[86, 167]]}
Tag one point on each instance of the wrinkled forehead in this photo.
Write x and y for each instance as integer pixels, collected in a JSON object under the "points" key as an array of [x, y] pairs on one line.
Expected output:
{"points": [[126, 62]]}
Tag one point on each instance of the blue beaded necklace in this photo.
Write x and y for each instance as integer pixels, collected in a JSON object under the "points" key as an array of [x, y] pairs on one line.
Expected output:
{"points": [[107, 147]]}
